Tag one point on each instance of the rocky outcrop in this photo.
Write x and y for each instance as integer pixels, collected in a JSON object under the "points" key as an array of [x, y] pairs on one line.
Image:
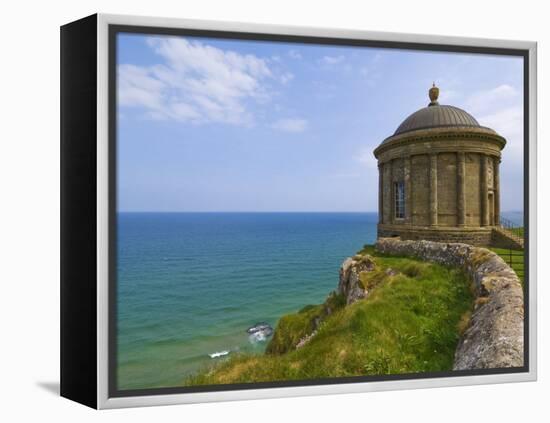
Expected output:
{"points": [[494, 336], [304, 340], [350, 284]]}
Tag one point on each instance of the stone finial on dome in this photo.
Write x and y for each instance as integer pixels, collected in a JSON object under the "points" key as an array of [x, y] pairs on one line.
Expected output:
{"points": [[434, 94]]}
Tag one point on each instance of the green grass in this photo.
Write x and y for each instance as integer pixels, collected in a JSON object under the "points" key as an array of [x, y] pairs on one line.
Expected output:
{"points": [[514, 258], [410, 323], [293, 327]]}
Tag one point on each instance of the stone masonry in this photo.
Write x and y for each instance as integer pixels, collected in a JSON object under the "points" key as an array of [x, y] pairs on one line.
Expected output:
{"points": [[449, 167]]}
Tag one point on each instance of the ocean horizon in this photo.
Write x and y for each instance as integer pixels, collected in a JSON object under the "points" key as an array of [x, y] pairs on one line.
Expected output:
{"points": [[189, 284]]}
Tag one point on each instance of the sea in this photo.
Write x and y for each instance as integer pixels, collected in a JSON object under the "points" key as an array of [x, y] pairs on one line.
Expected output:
{"points": [[190, 284]]}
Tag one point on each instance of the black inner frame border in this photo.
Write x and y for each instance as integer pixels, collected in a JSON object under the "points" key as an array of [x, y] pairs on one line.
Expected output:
{"points": [[115, 29]]}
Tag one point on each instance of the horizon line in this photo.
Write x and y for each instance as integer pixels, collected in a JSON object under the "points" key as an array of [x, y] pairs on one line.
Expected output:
{"points": [[264, 211], [243, 211]]}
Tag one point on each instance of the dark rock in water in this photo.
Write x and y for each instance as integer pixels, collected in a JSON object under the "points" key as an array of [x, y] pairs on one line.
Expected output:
{"points": [[260, 331], [260, 327], [268, 331]]}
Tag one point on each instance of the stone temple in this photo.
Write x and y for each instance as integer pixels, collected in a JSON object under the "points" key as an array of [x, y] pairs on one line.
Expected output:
{"points": [[439, 177]]}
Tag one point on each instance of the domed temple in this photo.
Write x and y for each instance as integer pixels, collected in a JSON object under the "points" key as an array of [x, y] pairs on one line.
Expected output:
{"points": [[439, 177]]}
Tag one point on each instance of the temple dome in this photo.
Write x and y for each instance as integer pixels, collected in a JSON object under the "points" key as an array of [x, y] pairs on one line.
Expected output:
{"points": [[436, 116]]}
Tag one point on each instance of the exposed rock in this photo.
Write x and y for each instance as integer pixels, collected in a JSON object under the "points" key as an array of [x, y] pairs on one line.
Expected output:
{"points": [[494, 337], [303, 341], [350, 285]]}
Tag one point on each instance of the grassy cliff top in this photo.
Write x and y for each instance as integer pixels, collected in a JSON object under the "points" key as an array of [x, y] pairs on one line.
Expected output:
{"points": [[410, 323]]}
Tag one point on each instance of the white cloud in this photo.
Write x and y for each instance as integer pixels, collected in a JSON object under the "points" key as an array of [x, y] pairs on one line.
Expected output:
{"points": [[501, 108], [505, 121], [136, 87], [486, 101], [332, 60], [290, 125], [196, 83], [508, 122], [295, 54]]}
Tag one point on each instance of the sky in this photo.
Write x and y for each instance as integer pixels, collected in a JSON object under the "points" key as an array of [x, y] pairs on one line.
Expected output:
{"points": [[208, 124]]}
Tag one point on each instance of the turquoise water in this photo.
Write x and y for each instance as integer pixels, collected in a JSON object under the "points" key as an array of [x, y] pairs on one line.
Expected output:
{"points": [[190, 284]]}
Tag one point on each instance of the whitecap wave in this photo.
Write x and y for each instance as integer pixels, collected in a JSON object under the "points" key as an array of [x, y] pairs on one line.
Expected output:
{"points": [[257, 337], [219, 354]]}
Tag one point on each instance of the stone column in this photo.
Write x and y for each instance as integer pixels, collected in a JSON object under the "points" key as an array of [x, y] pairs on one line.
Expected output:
{"points": [[408, 191], [484, 190], [433, 189], [380, 192], [496, 189], [391, 194], [461, 188], [386, 192]]}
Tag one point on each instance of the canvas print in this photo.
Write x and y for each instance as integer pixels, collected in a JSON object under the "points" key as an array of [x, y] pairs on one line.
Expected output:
{"points": [[294, 212]]}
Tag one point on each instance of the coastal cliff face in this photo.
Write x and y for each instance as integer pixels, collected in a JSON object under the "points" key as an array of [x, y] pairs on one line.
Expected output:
{"points": [[388, 315], [296, 330], [400, 307], [494, 336], [358, 276]]}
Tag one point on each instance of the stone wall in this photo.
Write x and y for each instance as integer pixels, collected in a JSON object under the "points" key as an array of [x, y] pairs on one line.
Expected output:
{"points": [[494, 337], [473, 236]]}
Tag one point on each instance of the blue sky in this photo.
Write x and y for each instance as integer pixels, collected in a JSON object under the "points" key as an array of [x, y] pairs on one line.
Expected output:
{"points": [[224, 125]]}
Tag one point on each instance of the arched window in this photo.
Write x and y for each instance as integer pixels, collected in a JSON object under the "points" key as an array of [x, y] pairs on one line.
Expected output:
{"points": [[399, 199]]}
